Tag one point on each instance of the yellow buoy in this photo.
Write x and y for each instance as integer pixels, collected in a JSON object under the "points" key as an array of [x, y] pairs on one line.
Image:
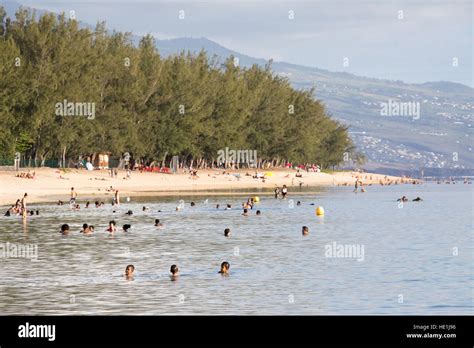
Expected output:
{"points": [[256, 199], [320, 211]]}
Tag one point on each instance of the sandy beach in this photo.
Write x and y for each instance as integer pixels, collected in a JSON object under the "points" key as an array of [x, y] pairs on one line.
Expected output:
{"points": [[51, 184]]}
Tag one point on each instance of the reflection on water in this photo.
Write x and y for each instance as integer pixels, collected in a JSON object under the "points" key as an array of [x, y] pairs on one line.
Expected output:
{"points": [[408, 265]]}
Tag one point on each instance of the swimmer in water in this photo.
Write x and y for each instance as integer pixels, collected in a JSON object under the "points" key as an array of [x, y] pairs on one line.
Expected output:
{"points": [[227, 232], [193, 204], [417, 199], [225, 266], [84, 228], [403, 199], [174, 270], [228, 207], [217, 206], [305, 230], [87, 204], [158, 223], [112, 227], [65, 229], [145, 208], [129, 272], [298, 203], [284, 191], [126, 227], [129, 212], [259, 212], [245, 213], [89, 230]]}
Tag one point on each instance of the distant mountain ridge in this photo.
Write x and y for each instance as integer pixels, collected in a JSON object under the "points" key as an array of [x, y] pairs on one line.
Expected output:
{"points": [[441, 137]]}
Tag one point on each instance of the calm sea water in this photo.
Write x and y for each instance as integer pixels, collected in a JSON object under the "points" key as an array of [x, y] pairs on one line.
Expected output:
{"points": [[418, 259]]}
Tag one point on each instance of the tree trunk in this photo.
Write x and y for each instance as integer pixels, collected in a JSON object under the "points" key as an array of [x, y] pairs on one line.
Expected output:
{"points": [[64, 157], [164, 159]]}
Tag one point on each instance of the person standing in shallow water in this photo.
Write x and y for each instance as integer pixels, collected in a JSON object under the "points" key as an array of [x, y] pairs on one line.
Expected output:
{"points": [[117, 198], [23, 206], [73, 198]]}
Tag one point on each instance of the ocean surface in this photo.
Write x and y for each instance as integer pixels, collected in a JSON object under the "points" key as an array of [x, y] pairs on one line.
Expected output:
{"points": [[367, 255]]}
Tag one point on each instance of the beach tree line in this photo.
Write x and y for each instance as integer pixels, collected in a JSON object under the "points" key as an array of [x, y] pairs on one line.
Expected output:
{"points": [[68, 91]]}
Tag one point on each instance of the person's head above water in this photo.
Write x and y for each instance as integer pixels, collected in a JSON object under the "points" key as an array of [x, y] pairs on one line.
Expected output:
{"points": [[84, 226], [157, 222], [227, 232], [65, 228], [193, 204], [126, 227], [305, 230], [129, 270], [225, 266], [174, 270], [259, 212]]}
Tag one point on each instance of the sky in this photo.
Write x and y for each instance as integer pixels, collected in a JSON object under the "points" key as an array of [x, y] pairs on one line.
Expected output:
{"points": [[414, 41]]}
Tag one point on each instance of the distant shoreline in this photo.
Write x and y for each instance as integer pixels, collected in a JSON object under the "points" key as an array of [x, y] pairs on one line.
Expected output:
{"points": [[51, 185]]}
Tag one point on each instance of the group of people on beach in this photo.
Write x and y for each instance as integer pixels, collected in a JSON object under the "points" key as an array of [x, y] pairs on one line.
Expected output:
{"points": [[26, 175]]}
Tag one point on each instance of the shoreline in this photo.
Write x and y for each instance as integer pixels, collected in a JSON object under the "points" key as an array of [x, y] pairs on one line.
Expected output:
{"points": [[52, 184]]}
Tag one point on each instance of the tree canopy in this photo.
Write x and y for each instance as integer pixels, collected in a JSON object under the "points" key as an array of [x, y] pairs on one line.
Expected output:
{"points": [[190, 105]]}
